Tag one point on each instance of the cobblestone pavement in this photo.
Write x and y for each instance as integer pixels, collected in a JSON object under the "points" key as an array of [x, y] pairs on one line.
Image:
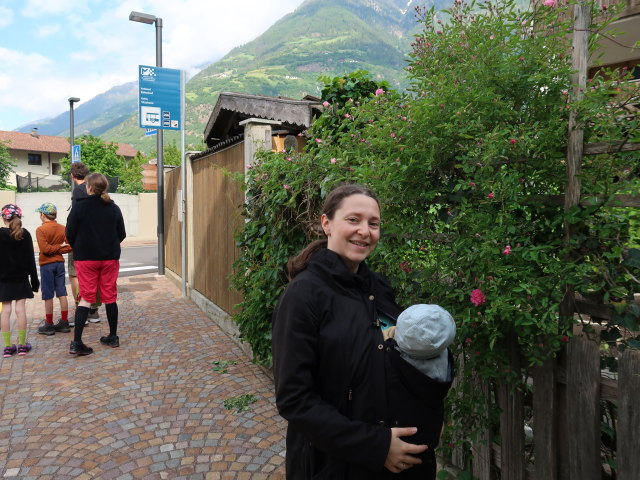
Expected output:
{"points": [[151, 409]]}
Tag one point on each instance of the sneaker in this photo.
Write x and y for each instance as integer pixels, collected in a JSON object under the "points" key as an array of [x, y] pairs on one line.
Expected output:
{"points": [[24, 349], [62, 327], [110, 341], [80, 349], [47, 329], [93, 316], [9, 351]]}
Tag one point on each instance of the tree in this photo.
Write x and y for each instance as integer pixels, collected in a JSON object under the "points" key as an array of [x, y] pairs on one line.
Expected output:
{"points": [[99, 156], [6, 165], [131, 174]]}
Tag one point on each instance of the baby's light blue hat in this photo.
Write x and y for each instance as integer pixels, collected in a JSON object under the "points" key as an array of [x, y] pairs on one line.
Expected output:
{"points": [[424, 331]]}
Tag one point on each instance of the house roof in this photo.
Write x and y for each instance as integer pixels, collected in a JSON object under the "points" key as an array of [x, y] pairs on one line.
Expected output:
{"points": [[48, 143], [233, 108]]}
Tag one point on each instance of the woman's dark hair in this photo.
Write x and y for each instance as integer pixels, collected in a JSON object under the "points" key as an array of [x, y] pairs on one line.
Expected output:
{"points": [[332, 203], [99, 186]]}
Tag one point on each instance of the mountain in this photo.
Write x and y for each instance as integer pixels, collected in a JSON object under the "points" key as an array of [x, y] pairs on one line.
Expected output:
{"points": [[95, 116], [320, 38]]}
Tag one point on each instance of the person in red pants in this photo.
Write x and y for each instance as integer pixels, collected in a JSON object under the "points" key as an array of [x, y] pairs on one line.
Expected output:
{"points": [[95, 229]]}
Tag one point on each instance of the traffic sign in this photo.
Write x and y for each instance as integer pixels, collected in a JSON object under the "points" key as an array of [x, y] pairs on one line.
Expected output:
{"points": [[159, 98], [150, 131], [75, 153]]}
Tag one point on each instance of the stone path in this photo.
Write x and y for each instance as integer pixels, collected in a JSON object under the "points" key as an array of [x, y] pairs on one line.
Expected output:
{"points": [[151, 409]]}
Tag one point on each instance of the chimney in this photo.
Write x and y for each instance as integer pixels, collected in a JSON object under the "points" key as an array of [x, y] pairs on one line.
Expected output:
{"points": [[34, 132]]}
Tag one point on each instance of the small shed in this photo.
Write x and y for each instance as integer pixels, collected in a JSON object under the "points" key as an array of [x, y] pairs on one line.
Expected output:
{"points": [[233, 112]]}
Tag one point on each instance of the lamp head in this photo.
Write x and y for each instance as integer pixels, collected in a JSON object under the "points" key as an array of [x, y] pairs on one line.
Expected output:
{"points": [[73, 100], [142, 17]]}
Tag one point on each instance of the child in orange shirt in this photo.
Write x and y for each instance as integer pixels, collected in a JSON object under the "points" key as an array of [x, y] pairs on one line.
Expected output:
{"points": [[53, 243]]}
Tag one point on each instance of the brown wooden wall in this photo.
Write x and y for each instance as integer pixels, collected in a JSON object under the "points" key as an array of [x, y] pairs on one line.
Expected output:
{"points": [[172, 227], [217, 201]]}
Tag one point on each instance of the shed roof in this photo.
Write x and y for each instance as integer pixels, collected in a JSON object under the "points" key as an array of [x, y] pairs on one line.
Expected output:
{"points": [[34, 142], [233, 108]]}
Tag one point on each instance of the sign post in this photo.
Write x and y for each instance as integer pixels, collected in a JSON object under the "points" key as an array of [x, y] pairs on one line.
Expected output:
{"points": [[160, 107], [75, 154], [159, 98]]}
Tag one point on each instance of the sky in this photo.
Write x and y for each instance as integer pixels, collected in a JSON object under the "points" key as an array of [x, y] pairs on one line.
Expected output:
{"points": [[51, 50]]}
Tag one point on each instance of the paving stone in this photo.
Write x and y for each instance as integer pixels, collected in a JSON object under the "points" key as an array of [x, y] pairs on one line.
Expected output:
{"points": [[150, 409]]}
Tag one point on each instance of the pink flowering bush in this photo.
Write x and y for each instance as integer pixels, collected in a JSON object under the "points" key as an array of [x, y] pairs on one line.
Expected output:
{"points": [[455, 163]]}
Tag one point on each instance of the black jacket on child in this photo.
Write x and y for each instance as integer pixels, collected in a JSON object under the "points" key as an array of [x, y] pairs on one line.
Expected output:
{"points": [[17, 258], [416, 400], [95, 229], [329, 368]]}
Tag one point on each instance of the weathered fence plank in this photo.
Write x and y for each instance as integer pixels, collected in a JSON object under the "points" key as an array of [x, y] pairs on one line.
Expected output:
{"points": [[457, 454], [628, 416], [544, 419], [512, 419], [617, 201], [610, 147], [481, 448], [583, 409]]}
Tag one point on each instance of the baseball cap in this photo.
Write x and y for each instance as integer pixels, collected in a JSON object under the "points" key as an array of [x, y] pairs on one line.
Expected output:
{"points": [[47, 208]]}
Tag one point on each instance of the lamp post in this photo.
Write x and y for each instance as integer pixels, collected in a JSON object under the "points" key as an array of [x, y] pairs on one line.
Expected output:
{"points": [[72, 100], [151, 19]]}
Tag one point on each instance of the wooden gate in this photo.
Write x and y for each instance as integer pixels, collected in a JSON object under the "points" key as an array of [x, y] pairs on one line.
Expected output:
{"points": [[172, 226]]}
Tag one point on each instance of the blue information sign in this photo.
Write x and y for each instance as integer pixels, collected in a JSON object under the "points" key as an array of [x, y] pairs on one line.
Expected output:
{"points": [[75, 154], [159, 98]]}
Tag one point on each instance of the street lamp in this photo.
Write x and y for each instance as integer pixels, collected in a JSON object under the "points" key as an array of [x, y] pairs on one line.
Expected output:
{"points": [[72, 100], [150, 19]]}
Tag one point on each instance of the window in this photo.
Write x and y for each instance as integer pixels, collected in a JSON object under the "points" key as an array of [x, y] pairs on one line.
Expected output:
{"points": [[55, 169], [35, 159]]}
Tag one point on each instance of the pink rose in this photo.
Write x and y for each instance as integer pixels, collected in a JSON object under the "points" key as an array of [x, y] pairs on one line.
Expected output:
{"points": [[318, 140], [491, 195], [513, 141], [507, 250], [477, 297], [325, 104], [286, 187], [379, 92], [333, 160], [549, 3]]}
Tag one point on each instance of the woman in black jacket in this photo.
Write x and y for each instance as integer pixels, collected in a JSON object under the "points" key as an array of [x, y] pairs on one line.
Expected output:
{"points": [[329, 356], [95, 228]]}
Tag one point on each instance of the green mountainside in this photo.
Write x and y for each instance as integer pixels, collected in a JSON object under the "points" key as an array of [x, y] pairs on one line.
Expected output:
{"points": [[320, 38], [95, 116]]}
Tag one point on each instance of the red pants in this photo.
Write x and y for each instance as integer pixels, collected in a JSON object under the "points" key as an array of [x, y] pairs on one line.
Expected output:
{"points": [[94, 275]]}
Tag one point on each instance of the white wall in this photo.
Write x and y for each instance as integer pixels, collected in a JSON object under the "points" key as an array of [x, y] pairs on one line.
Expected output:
{"points": [[132, 206]]}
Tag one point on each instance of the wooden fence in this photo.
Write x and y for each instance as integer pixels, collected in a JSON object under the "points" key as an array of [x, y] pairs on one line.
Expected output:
{"points": [[217, 201], [567, 395]]}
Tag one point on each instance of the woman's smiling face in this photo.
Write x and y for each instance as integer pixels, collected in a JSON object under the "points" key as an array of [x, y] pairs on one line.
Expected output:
{"points": [[354, 231]]}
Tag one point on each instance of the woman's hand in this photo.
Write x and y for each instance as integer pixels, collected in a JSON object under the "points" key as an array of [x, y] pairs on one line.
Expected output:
{"points": [[400, 456]]}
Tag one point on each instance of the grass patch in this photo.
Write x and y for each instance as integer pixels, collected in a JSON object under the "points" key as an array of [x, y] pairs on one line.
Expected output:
{"points": [[240, 403]]}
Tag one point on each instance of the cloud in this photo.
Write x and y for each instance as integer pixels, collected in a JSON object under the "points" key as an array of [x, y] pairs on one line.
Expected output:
{"points": [[47, 30], [41, 8], [6, 16], [96, 47]]}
